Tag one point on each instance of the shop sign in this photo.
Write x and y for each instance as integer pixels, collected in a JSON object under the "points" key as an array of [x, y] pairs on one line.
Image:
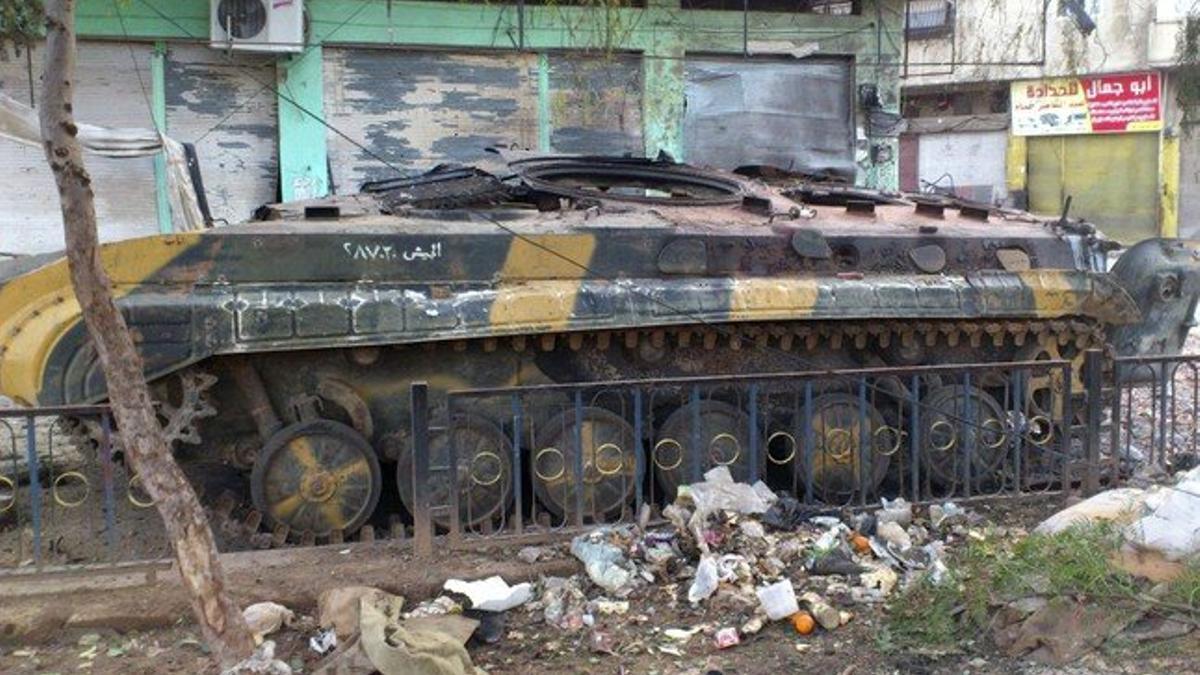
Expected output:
{"points": [[1101, 104]]}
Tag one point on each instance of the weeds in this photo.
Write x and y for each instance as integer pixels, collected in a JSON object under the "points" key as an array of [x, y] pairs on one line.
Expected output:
{"points": [[990, 573]]}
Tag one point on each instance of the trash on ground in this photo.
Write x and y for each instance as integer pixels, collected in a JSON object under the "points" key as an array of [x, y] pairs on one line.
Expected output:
{"points": [[778, 600], [682, 634], [531, 554], [897, 511], [828, 617], [726, 638], [492, 594], [894, 534], [604, 562], [705, 582], [337, 608], [803, 623], [417, 646], [261, 662], [324, 641], [264, 618]]}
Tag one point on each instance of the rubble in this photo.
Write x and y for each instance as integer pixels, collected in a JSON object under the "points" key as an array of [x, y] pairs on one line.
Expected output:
{"points": [[1157, 524]]}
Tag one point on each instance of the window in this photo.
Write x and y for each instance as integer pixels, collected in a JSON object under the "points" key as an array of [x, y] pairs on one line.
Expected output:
{"points": [[844, 7], [929, 19]]}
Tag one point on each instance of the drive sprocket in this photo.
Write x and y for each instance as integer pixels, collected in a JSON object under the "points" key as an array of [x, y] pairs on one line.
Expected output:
{"points": [[179, 419]]}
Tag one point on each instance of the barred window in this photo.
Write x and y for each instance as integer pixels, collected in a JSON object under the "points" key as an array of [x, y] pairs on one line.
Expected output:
{"points": [[929, 18]]}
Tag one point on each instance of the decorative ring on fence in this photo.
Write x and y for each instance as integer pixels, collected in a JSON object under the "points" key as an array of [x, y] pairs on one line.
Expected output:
{"points": [[537, 462], [790, 439], [1041, 430], [897, 434], [678, 449], [140, 503], [487, 454], [70, 503], [1001, 435], [950, 442], [598, 453], [6, 504], [737, 449], [841, 451]]}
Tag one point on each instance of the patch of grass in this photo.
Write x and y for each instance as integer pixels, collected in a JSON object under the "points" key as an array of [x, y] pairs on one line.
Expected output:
{"points": [[1072, 562], [1183, 593], [989, 573], [927, 616]]}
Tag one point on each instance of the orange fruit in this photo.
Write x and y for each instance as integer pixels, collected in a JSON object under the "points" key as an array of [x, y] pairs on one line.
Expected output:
{"points": [[861, 544], [803, 623]]}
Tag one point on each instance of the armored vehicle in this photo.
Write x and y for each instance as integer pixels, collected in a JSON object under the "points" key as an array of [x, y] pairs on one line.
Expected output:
{"points": [[283, 349]]}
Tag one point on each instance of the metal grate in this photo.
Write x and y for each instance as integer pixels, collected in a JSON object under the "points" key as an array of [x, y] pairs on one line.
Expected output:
{"points": [[929, 18]]}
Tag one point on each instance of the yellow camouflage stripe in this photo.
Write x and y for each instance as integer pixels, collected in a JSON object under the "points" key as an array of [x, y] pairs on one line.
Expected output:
{"points": [[38, 308]]}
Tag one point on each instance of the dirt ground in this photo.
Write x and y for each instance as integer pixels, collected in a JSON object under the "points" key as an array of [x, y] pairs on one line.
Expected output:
{"points": [[72, 632], [617, 644]]}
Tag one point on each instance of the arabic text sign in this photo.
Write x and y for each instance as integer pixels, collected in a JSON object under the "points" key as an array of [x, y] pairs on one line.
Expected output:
{"points": [[1087, 105]]}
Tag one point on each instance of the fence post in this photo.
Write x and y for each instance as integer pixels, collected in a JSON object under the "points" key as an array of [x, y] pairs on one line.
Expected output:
{"points": [[422, 523], [1093, 382], [35, 486]]}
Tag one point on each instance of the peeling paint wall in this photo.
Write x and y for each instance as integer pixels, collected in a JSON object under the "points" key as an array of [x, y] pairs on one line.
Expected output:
{"points": [[413, 110], [595, 103], [996, 40], [223, 107], [107, 92], [1189, 181]]}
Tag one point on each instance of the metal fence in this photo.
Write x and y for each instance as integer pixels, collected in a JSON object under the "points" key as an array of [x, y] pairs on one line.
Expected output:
{"points": [[542, 458], [64, 498], [1152, 420]]}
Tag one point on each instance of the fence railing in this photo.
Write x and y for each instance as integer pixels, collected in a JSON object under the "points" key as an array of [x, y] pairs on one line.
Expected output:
{"points": [[64, 498], [1153, 414], [541, 458], [546, 458]]}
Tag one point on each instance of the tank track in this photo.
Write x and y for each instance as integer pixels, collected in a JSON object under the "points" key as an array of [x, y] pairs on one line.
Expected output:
{"points": [[809, 335], [240, 525]]}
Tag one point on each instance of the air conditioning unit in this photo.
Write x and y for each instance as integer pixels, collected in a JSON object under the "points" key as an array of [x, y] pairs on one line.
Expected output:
{"points": [[258, 25]]}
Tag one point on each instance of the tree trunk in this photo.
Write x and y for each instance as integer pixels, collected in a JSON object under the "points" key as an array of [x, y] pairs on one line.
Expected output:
{"points": [[220, 619]]}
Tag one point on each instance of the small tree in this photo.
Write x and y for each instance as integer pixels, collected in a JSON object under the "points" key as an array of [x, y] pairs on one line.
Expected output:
{"points": [[146, 446]]}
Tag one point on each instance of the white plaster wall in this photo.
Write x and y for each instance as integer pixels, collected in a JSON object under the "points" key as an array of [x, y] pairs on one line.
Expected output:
{"points": [[997, 40], [973, 161]]}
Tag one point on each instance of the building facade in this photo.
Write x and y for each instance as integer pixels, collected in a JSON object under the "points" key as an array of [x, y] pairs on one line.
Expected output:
{"points": [[1030, 102], [392, 86]]}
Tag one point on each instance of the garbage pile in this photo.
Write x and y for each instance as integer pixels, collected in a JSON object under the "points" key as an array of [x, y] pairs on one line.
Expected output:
{"points": [[739, 555], [751, 555], [759, 556]]}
